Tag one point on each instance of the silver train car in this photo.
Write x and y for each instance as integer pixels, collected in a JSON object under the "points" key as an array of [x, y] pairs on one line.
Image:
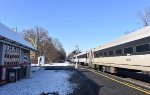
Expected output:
{"points": [[132, 51], [82, 58]]}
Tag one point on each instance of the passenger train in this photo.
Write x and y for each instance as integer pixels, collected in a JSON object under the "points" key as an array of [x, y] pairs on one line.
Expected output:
{"points": [[130, 52]]}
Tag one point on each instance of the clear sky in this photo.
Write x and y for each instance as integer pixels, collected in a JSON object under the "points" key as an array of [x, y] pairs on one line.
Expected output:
{"points": [[88, 23]]}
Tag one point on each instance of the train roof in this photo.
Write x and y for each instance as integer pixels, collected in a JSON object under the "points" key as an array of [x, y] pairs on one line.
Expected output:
{"points": [[82, 53], [139, 34], [9, 34]]}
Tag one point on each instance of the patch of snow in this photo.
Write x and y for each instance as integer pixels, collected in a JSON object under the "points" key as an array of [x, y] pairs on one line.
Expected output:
{"points": [[54, 64], [10, 34], [34, 64], [33, 69], [41, 81], [60, 64]]}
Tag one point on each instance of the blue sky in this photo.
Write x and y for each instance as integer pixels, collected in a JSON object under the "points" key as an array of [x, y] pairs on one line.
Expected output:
{"points": [[88, 23]]}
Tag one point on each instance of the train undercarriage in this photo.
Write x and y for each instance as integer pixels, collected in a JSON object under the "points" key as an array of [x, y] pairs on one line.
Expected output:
{"points": [[122, 72]]}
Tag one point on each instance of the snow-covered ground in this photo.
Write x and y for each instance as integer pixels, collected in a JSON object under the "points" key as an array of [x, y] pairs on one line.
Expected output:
{"points": [[41, 81], [54, 64], [61, 64]]}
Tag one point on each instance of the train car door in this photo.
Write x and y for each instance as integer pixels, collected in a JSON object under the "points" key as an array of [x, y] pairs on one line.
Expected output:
{"points": [[90, 58]]}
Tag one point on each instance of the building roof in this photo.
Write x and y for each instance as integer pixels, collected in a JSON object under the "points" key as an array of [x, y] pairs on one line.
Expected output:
{"points": [[139, 34], [14, 36]]}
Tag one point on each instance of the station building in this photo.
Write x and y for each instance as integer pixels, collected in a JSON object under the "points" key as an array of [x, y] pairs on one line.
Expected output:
{"points": [[14, 53]]}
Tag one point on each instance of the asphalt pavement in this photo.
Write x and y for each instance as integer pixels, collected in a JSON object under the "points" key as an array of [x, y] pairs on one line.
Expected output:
{"points": [[109, 85]]}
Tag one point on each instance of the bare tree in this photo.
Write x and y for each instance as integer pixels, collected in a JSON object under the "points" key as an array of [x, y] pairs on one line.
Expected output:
{"points": [[74, 52], [145, 16], [51, 48], [57, 43], [30, 36], [61, 54]]}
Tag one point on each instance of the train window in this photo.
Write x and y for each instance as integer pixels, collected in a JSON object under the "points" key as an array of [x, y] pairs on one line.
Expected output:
{"points": [[142, 48], [105, 53], [110, 52], [100, 54], [119, 51], [96, 54], [128, 50]]}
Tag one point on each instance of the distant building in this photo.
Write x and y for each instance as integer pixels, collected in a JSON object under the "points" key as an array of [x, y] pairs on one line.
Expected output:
{"points": [[14, 52], [41, 60]]}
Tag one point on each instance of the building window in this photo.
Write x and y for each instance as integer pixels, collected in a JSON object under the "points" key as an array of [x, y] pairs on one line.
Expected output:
{"points": [[11, 54], [128, 50], [142, 48]]}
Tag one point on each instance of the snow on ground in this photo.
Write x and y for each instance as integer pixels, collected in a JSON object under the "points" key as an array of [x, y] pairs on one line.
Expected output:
{"points": [[33, 69], [54, 64], [41, 81], [61, 64]]}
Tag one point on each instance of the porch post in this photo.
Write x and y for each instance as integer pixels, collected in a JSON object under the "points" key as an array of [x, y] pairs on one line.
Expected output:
{"points": [[21, 56], [2, 69], [28, 58]]}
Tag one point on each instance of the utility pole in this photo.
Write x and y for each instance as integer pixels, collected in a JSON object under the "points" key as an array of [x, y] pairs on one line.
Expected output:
{"points": [[15, 29], [37, 37], [77, 48]]}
